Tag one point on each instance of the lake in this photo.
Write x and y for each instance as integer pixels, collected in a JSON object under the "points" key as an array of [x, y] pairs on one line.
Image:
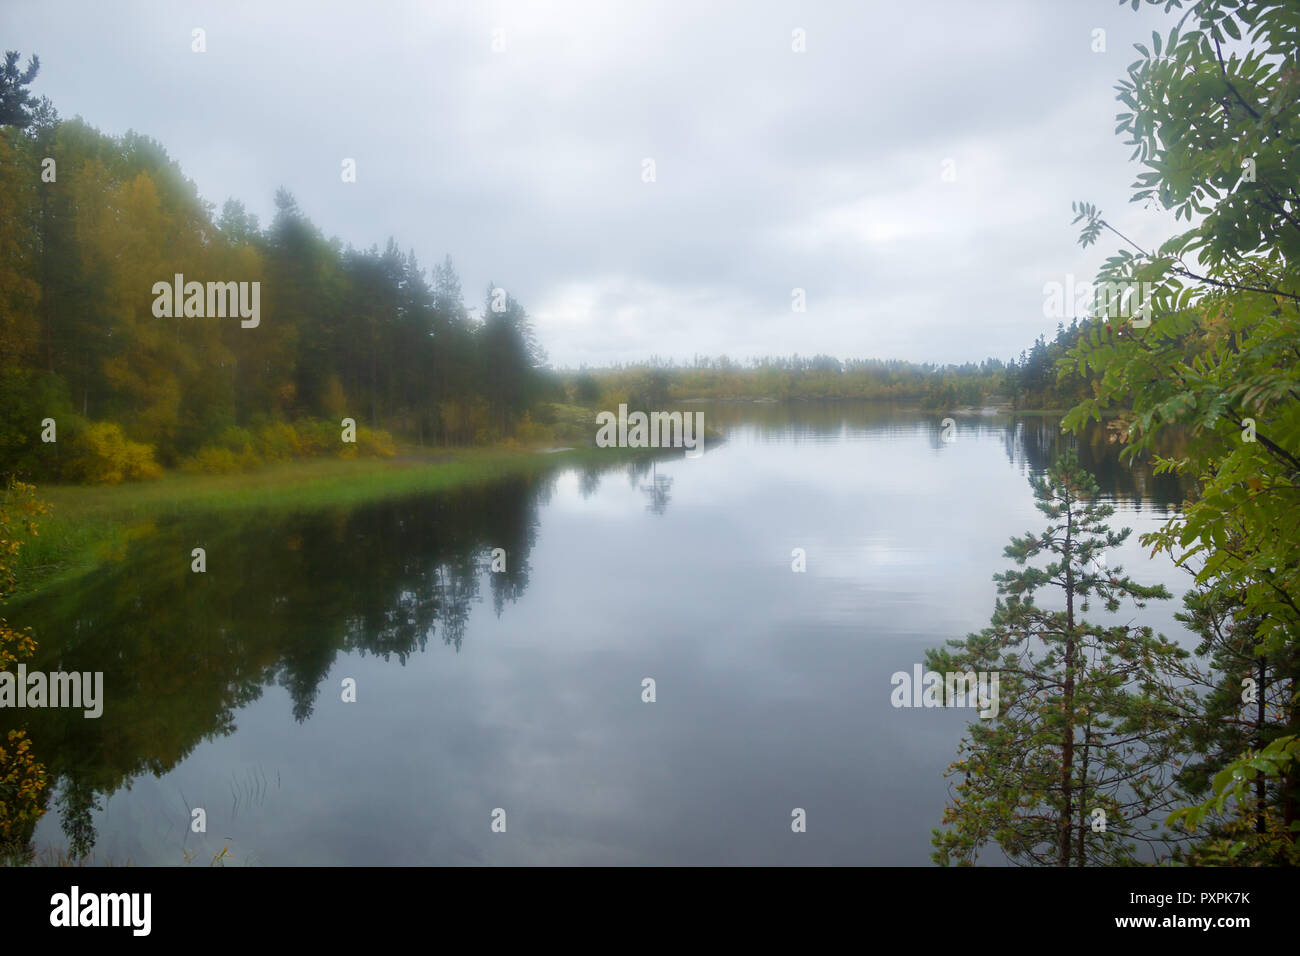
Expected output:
{"points": [[522, 690]]}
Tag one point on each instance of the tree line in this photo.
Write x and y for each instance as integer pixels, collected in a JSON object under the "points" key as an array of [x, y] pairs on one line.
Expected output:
{"points": [[1030, 381], [93, 221]]}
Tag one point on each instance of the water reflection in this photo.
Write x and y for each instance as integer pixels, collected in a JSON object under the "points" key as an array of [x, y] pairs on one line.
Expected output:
{"points": [[657, 490], [1031, 441], [1036, 441], [285, 598]]}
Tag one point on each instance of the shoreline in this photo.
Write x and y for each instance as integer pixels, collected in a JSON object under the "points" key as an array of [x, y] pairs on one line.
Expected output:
{"points": [[90, 524]]}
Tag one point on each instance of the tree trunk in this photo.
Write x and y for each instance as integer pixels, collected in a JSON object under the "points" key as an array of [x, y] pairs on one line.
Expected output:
{"points": [[1067, 737]]}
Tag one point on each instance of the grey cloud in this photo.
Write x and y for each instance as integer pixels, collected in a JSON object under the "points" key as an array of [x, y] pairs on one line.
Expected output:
{"points": [[775, 170]]}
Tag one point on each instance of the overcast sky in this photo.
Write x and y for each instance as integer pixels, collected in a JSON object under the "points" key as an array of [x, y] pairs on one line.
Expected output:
{"points": [[774, 170]]}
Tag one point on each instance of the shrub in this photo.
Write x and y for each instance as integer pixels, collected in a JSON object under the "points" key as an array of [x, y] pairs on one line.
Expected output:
{"points": [[375, 443], [238, 449], [101, 454], [528, 431], [210, 460], [277, 441], [464, 421], [318, 437], [138, 461], [235, 438], [22, 776], [30, 398]]}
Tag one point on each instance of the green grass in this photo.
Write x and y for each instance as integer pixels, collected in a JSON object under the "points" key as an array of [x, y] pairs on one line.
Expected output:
{"points": [[88, 525]]}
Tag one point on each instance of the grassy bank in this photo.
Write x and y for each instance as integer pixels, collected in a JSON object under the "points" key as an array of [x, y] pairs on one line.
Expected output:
{"points": [[90, 524]]}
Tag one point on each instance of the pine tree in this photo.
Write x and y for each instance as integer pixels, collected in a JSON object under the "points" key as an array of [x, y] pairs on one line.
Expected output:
{"points": [[1084, 738], [17, 105]]}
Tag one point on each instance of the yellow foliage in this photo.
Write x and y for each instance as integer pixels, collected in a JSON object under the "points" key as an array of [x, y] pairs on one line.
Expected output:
{"points": [[464, 420], [212, 461], [375, 444], [18, 512], [22, 777], [278, 442], [530, 432], [238, 449], [101, 454]]}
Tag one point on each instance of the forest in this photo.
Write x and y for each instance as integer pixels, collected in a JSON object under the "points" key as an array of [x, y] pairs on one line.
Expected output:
{"points": [[92, 222], [1029, 382]]}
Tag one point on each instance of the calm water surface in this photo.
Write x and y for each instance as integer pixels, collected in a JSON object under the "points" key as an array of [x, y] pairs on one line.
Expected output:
{"points": [[523, 690]]}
